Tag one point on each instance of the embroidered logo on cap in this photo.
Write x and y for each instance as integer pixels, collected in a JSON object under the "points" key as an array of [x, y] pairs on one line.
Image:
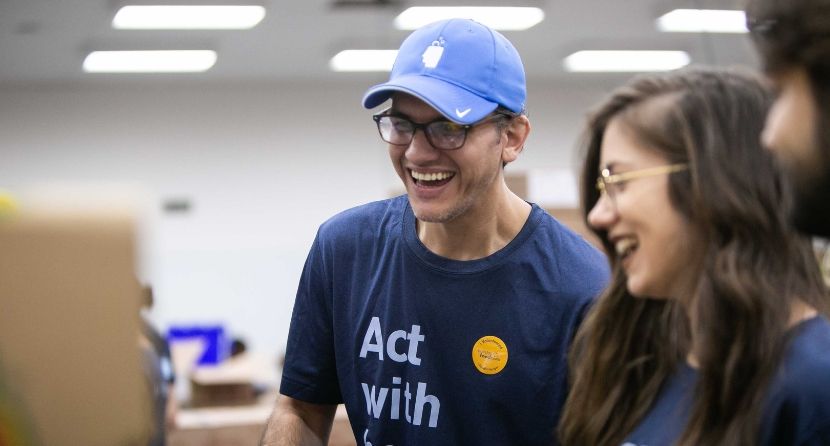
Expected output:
{"points": [[432, 55], [490, 355]]}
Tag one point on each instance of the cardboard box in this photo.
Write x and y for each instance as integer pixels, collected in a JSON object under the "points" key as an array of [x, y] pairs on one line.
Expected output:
{"points": [[70, 367]]}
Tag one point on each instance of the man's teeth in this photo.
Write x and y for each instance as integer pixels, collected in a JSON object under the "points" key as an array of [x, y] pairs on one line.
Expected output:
{"points": [[625, 246], [435, 176]]}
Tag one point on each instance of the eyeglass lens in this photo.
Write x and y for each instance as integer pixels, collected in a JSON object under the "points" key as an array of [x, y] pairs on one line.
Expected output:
{"points": [[611, 184], [609, 189], [442, 134]]}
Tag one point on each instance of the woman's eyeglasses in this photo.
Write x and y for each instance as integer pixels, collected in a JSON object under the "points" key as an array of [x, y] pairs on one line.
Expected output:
{"points": [[611, 183]]}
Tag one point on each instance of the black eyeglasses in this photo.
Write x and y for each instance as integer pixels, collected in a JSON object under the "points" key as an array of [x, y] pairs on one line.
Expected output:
{"points": [[441, 133], [762, 27]]}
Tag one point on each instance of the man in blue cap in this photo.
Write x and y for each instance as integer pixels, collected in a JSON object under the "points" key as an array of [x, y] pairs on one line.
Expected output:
{"points": [[443, 316]]}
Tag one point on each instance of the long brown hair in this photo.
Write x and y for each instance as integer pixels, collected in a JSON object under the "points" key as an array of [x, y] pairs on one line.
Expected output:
{"points": [[753, 267]]}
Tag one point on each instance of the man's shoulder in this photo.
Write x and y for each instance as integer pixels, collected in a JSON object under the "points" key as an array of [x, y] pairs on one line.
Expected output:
{"points": [[575, 268], [568, 246], [369, 217]]}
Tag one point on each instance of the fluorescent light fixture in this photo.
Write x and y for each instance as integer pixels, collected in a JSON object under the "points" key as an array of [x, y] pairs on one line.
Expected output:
{"points": [[496, 17], [167, 61], [703, 20], [188, 17], [363, 60], [625, 61]]}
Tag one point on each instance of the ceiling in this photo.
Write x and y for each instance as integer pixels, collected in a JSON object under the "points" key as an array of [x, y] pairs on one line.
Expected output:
{"points": [[45, 41]]}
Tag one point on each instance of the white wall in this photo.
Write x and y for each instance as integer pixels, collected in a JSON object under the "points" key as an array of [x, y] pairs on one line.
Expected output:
{"points": [[264, 165]]}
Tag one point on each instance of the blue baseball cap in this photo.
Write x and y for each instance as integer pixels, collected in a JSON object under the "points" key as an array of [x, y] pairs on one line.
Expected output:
{"points": [[459, 67]]}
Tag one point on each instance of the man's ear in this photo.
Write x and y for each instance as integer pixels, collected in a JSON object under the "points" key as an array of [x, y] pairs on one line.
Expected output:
{"points": [[516, 134]]}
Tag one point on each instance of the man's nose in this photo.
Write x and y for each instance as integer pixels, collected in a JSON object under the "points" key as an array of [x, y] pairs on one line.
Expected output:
{"points": [[420, 149]]}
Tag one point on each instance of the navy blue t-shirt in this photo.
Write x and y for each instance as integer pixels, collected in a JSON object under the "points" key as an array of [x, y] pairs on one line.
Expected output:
{"points": [[797, 411], [424, 350]]}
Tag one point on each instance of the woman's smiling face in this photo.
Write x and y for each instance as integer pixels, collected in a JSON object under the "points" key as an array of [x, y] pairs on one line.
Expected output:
{"points": [[654, 243]]}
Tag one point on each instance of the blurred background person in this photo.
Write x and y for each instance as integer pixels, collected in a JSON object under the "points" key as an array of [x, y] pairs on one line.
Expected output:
{"points": [[793, 38], [159, 370]]}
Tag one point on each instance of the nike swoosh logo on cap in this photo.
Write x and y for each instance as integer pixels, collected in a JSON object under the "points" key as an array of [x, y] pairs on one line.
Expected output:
{"points": [[462, 114]]}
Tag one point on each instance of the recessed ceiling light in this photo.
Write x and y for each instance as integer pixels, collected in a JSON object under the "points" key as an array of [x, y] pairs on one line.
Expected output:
{"points": [[496, 17], [703, 20], [363, 60], [188, 17], [167, 61], [625, 61]]}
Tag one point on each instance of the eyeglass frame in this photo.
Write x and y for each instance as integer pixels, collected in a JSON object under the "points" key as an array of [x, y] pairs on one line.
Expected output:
{"points": [[606, 177], [762, 27], [424, 126]]}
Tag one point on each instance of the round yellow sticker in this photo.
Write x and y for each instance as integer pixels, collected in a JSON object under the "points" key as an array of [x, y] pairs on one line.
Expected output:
{"points": [[489, 355]]}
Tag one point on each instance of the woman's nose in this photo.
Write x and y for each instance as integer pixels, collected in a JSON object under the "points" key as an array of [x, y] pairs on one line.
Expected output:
{"points": [[603, 213]]}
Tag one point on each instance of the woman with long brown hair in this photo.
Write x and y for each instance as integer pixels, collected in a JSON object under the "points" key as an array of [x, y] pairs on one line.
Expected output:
{"points": [[712, 329]]}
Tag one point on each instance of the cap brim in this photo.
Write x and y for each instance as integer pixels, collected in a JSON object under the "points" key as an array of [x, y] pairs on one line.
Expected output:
{"points": [[455, 103]]}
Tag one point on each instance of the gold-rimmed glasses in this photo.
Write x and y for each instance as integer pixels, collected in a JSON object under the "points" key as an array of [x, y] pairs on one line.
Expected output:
{"points": [[610, 183]]}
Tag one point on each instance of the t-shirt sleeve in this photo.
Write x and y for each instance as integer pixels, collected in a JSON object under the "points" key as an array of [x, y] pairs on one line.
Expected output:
{"points": [[806, 425], [310, 371], [820, 437], [805, 417], [798, 410]]}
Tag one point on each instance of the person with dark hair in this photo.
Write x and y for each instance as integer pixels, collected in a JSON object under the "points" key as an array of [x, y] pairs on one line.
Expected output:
{"points": [[793, 38], [713, 330], [440, 317], [237, 348], [159, 372]]}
